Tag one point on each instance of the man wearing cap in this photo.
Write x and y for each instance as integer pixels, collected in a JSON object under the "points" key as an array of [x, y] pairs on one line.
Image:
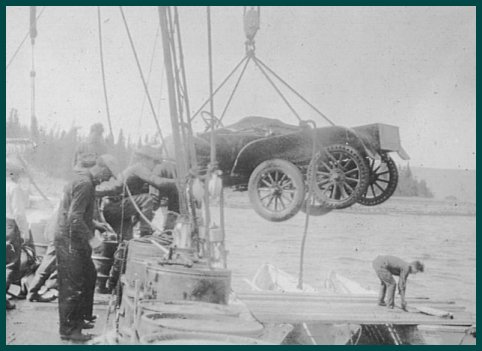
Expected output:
{"points": [[73, 230], [87, 152], [132, 187], [388, 266], [17, 199]]}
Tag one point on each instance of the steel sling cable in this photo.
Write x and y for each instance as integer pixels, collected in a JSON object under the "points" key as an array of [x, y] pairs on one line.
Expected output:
{"points": [[234, 89], [220, 86], [104, 84], [293, 90], [277, 89], [134, 51]]}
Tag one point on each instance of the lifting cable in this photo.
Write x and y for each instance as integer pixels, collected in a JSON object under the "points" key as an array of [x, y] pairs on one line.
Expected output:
{"points": [[293, 90], [23, 40], [104, 84], [251, 27], [234, 89], [220, 86], [143, 80]]}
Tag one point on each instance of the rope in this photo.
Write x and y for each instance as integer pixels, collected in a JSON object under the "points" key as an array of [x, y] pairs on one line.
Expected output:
{"points": [[293, 90], [234, 90], [101, 50], [309, 201], [277, 90], [220, 86], [143, 79], [23, 41]]}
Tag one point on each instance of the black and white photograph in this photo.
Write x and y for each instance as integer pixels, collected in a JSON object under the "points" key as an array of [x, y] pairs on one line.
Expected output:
{"points": [[240, 175]]}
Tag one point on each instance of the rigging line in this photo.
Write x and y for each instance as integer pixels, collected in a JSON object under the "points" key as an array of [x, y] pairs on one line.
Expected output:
{"points": [[179, 96], [149, 74], [104, 83], [143, 80], [220, 86], [23, 41], [295, 92], [185, 92], [277, 89], [211, 100], [234, 90]]}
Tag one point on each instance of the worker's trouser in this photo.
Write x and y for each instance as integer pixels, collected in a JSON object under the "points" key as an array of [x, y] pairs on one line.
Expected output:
{"points": [[76, 280], [387, 286], [14, 246], [45, 270], [115, 212]]}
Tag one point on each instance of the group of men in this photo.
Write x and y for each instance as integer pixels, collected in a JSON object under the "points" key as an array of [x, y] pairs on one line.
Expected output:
{"points": [[133, 192]]}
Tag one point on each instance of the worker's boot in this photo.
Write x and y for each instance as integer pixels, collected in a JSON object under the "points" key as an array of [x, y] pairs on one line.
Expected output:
{"points": [[76, 336], [35, 297], [9, 305]]}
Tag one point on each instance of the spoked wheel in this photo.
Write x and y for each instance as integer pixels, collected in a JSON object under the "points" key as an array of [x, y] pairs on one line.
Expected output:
{"points": [[276, 190], [383, 181], [339, 176]]}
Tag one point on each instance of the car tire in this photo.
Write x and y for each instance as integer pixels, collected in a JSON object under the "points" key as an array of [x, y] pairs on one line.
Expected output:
{"points": [[276, 190], [339, 176], [383, 181]]}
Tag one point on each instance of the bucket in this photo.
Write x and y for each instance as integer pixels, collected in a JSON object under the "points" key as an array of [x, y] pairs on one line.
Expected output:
{"points": [[198, 283], [159, 322], [137, 252], [197, 339]]}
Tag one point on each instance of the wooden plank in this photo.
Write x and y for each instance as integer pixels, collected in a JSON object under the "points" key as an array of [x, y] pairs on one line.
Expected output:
{"points": [[344, 311], [315, 297]]}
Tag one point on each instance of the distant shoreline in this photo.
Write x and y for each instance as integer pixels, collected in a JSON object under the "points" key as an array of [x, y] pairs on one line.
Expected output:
{"points": [[395, 206]]}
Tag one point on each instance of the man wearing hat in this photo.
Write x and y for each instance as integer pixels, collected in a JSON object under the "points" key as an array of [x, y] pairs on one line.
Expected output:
{"points": [[73, 230], [87, 152], [388, 266], [17, 199], [132, 186]]}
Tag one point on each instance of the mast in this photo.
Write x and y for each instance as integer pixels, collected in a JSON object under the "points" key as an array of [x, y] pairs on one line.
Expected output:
{"points": [[181, 166], [33, 36]]}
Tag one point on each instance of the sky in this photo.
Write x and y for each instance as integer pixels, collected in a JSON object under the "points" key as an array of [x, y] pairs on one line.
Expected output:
{"points": [[412, 67]]}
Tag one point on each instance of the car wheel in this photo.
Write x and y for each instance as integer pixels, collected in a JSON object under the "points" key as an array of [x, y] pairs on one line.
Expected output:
{"points": [[276, 190], [339, 176], [383, 181]]}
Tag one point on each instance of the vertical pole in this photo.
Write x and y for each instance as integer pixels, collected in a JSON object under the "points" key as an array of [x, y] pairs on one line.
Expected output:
{"points": [[211, 101], [178, 148], [33, 36]]}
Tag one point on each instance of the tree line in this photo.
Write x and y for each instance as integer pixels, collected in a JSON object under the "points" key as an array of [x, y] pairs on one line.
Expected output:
{"points": [[53, 152], [408, 185]]}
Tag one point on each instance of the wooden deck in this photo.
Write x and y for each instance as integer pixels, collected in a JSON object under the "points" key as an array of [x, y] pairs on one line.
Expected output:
{"points": [[298, 308]]}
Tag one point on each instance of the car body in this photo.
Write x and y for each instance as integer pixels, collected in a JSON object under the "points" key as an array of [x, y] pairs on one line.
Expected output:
{"points": [[338, 165]]}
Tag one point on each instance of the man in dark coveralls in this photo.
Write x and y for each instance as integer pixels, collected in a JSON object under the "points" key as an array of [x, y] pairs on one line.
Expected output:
{"points": [[388, 266], [73, 230], [137, 178]]}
